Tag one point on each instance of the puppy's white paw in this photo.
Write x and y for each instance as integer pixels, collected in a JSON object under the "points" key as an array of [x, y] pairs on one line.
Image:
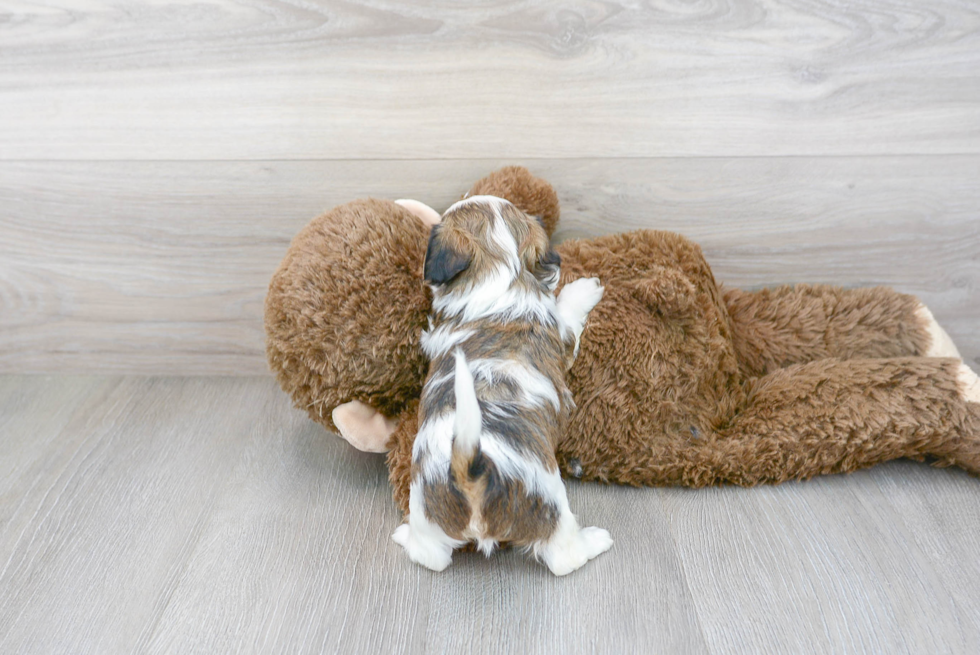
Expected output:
{"points": [[940, 345], [970, 382], [570, 552], [429, 553], [596, 540], [581, 295], [401, 534]]}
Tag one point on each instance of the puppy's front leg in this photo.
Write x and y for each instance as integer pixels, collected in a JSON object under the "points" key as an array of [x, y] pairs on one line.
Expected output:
{"points": [[575, 302]]}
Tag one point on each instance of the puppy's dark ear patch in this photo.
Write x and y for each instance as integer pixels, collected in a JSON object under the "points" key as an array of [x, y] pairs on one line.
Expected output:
{"points": [[551, 258], [443, 262], [548, 268]]}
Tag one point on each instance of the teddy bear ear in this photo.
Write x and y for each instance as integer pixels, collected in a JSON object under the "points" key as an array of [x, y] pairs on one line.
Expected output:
{"points": [[422, 211], [444, 259]]}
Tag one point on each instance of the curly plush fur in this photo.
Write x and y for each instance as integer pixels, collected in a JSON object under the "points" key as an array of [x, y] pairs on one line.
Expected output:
{"points": [[678, 381], [346, 309]]}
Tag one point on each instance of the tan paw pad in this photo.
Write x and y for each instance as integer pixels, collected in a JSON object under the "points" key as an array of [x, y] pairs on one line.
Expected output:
{"points": [[940, 345], [970, 383]]}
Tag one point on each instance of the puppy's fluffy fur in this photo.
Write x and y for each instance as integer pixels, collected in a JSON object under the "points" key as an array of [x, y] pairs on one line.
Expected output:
{"points": [[492, 410]]}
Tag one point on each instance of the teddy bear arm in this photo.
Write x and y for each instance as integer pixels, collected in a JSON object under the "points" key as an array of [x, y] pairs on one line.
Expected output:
{"points": [[781, 326], [363, 427]]}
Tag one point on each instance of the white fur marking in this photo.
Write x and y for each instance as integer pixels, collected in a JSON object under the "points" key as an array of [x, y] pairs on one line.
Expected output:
{"points": [[438, 342], [940, 345], [480, 296], [468, 424], [511, 464], [486, 546], [535, 386], [490, 200], [433, 447], [505, 240], [496, 297]]}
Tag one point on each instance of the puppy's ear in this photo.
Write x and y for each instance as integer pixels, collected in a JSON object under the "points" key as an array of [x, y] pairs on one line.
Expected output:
{"points": [[443, 260], [538, 255], [548, 269]]}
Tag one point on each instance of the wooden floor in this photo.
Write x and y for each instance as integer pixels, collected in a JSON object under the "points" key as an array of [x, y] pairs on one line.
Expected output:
{"points": [[204, 515]]}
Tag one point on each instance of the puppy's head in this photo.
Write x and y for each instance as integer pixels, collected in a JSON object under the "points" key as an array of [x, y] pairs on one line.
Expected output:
{"points": [[484, 236]]}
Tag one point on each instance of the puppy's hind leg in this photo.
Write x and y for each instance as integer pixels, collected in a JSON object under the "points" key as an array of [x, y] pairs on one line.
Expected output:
{"points": [[423, 545], [425, 542], [569, 547]]}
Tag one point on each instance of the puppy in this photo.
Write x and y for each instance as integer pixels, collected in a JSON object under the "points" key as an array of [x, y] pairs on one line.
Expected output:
{"points": [[495, 401]]}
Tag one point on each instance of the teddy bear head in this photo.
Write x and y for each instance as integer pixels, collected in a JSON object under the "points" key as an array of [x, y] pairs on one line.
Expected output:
{"points": [[347, 306]]}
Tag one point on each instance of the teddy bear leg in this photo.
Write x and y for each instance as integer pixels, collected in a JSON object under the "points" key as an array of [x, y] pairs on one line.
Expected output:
{"points": [[842, 415], [787, 325]]}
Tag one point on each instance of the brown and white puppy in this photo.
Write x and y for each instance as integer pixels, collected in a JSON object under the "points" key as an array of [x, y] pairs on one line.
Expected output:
{"points": [[495, 401]]}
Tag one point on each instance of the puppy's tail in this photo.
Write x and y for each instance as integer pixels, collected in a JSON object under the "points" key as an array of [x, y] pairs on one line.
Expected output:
{"points": [[469, 422]]}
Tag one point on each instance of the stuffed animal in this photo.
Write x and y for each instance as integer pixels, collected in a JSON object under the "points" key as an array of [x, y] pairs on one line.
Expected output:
{"points": [[677, 381]]}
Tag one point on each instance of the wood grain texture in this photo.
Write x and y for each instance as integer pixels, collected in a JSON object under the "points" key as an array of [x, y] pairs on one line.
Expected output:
{"points": [[205, 515], [829, 564], [162, 267], [382, 79], [106, 517]]}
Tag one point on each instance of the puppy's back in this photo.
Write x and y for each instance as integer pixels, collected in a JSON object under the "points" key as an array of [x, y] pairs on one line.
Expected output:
{"points": [[510, 385]]}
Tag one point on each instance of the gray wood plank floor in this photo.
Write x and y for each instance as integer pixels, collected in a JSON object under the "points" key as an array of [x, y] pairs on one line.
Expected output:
{"points": [[205, 515]]}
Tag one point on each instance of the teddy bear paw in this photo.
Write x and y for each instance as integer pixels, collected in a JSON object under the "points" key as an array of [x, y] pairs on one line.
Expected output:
{"points": [[940, 345], [970, 383]]}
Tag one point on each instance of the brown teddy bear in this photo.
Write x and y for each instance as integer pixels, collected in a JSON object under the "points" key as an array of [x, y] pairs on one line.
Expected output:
{"points": [[677, 382]]}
